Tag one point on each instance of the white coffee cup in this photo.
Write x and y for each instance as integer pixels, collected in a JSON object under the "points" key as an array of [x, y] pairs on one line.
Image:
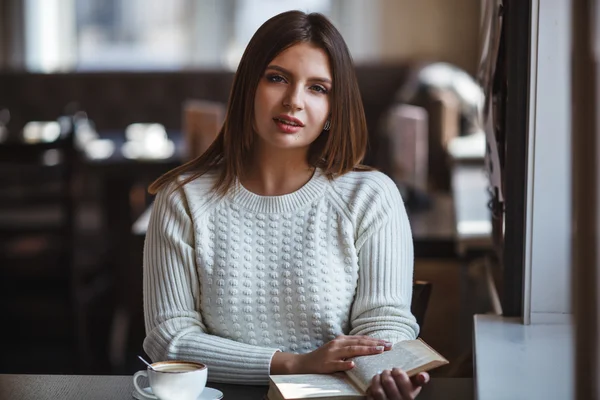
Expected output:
{"points": [[173, 380]]}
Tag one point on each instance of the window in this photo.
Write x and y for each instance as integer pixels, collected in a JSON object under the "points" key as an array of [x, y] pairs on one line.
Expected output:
{"points": [[133, 34], [147, 34], [249, 17]]}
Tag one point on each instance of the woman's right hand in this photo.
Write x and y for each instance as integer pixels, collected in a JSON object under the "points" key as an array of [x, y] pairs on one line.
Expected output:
{"points": [[332, 356]]}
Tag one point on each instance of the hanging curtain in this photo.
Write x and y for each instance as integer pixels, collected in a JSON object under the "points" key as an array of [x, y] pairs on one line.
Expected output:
{"points": [[491, 31], [12, 35], [585, 134]]}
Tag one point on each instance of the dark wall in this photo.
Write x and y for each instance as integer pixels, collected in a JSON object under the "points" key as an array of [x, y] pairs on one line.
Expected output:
{"points": [[111, 100], [114, 100]]}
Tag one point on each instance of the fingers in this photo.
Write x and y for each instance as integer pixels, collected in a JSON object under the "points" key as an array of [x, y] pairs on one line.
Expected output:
{"points": [[421, 379], [396, 385], [335, 355], [341, 365], [369, 342], [389, 386], [354, 346], [403, 382], [356, 351], [376, 390], [360, 341], [345, 347]]}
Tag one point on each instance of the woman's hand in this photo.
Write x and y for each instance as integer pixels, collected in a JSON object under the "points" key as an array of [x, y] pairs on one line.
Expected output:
{"points": [[331, 357], [396, 385]]}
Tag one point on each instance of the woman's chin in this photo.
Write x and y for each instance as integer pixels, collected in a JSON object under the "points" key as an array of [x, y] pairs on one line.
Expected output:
{"points": [[287, 142]]}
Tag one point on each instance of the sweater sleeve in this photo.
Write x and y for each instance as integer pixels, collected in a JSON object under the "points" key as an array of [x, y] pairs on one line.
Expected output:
{"points": [[381, 306], [174, 325]]}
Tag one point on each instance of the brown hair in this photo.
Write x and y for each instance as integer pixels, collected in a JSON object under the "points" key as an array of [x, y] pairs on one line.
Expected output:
{"points": [[337, 151]]}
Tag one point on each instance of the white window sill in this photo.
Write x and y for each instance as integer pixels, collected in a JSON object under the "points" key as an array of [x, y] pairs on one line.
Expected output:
{"points": [[516, 361]]}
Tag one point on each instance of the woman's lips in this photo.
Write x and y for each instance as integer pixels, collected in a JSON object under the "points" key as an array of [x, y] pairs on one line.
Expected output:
{"points": [[286, 128], [291, 119]]}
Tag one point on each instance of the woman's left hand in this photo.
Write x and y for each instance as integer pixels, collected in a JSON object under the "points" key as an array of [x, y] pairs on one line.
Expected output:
{"points": [[396, 385]]}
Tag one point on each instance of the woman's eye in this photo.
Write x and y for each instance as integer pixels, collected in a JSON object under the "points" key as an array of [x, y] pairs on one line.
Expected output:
{"points": [[275, 78], [319, 88]]}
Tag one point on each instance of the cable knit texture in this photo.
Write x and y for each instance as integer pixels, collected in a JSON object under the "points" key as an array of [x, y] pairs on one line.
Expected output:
{"points": [[228, 281]]}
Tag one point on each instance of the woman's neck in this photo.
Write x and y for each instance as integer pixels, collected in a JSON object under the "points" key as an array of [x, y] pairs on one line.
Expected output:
{"points": [[276, 176]]}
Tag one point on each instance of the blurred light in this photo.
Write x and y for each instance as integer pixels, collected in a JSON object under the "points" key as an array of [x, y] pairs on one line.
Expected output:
{"points": [[135, 132], [38, 131], [468, 147], [147, 141], [99, 149], [51, 157], [158, 151], [474, 228], [84, 133]]}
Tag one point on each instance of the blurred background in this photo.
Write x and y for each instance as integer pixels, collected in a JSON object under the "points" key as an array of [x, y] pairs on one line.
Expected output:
{"points": [[91, 35], [99, 97]]}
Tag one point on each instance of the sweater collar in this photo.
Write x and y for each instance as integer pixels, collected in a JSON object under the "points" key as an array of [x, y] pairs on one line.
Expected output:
{"points": [[286, 203]]}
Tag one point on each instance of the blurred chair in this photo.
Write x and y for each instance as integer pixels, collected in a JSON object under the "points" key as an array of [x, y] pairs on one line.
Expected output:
{"points": [[44, 298], [444, 125], [420, 300], [417, 138], [452, 99], [202, 121], [36, 220], [406, 132]]}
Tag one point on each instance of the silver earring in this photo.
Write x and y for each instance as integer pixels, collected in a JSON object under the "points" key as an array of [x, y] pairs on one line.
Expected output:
{"points": [[327, 125]]}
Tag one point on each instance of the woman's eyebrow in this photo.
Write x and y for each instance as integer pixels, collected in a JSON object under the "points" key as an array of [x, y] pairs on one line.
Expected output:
{"points": [[286, 72]]}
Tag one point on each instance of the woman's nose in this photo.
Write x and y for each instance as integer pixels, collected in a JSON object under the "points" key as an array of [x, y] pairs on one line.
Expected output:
{"points": [[294, 99]]}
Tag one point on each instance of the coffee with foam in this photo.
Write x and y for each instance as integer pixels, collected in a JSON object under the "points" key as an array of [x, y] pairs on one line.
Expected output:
{"points": [[174, 380], [181, 367]]}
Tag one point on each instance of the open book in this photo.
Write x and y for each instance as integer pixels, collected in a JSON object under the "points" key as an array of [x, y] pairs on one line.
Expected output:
{"points": [[413, 356]]}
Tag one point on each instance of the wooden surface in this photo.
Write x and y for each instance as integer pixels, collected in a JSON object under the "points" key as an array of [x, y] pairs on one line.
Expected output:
{"points": [[67, 387]]}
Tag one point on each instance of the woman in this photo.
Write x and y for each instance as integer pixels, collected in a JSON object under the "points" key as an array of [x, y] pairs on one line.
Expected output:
{"points": [[276, 252]]}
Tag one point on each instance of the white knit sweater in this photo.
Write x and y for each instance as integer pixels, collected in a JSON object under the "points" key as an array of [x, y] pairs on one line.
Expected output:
{"points": [[230, 280]]}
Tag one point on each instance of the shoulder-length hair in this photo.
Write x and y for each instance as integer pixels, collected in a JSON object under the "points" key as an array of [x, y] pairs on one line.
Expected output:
{"points": [[337, 151]]}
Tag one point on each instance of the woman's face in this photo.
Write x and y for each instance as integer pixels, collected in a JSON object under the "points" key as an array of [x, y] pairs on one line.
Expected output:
{"points": [[292, 100]]}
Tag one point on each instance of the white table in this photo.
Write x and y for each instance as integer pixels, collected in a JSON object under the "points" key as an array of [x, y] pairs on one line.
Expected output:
{"points": [[515, 361]]}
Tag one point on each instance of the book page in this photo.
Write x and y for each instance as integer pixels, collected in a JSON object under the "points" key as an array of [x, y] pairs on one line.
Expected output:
{"points": [[412, 356], [315, 386]]}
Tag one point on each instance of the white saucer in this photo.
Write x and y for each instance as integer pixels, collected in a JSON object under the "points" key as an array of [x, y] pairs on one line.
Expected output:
{"points": [[207, 394]]}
